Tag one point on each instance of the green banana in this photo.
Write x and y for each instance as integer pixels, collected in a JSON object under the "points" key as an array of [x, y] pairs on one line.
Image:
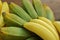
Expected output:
{"points": [[14, 33], [40, 30], [49, 13], [19, 11], [39, 7], [55, 33], [12, 19], [30, 9]]}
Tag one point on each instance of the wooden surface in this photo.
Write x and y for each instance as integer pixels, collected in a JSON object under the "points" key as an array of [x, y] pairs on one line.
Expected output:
{"points": [[54, 4]]}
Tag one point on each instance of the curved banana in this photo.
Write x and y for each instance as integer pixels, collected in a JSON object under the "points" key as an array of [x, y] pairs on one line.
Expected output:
{"points": [[47, 26], [39, 7], [12, 19], [57, 25], [49, 13], [30, 9], [47, 21], [40, 30]]}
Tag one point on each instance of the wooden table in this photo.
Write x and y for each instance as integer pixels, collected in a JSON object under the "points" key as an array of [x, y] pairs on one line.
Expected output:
{"points": [[54, 4]]}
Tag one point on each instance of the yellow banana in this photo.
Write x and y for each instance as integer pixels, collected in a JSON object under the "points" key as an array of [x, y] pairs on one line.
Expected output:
{"points": [[40, 30], [57, 25], [47, 21], [1, 17], [5, 7], [47, 26]]}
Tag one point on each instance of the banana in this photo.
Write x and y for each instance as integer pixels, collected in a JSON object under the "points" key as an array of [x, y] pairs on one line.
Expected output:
{"points": [[1, 17], [47, 21], [19, 11], [40, 30], [5, 7], [49, 13], [30, 9], [57, 25], [13, 19], [47, 26], [14, 33], [39, 7]]}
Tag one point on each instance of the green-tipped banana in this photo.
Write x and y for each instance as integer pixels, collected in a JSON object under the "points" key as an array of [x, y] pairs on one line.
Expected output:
{"points": [[13, 19], [47, 26], [57, 25], [39, 7], [30, 9], [49, 13], [40, 30], [14, 33], [19, 11]]}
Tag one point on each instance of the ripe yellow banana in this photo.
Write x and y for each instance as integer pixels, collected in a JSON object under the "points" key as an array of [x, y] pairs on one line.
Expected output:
{"points": [[57, 25], [5, 7], [40, 30], [1, 17], [47, 26], [47, 21]]}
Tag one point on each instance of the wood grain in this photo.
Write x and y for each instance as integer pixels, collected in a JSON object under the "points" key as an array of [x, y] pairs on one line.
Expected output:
{"points": [[54, 4]]}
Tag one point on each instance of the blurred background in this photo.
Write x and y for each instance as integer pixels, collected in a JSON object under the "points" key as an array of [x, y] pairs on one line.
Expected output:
{"points": [[54, 4]]}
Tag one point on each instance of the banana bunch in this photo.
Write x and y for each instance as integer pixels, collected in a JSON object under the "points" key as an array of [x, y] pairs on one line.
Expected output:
{"points": [[35, 21]]}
